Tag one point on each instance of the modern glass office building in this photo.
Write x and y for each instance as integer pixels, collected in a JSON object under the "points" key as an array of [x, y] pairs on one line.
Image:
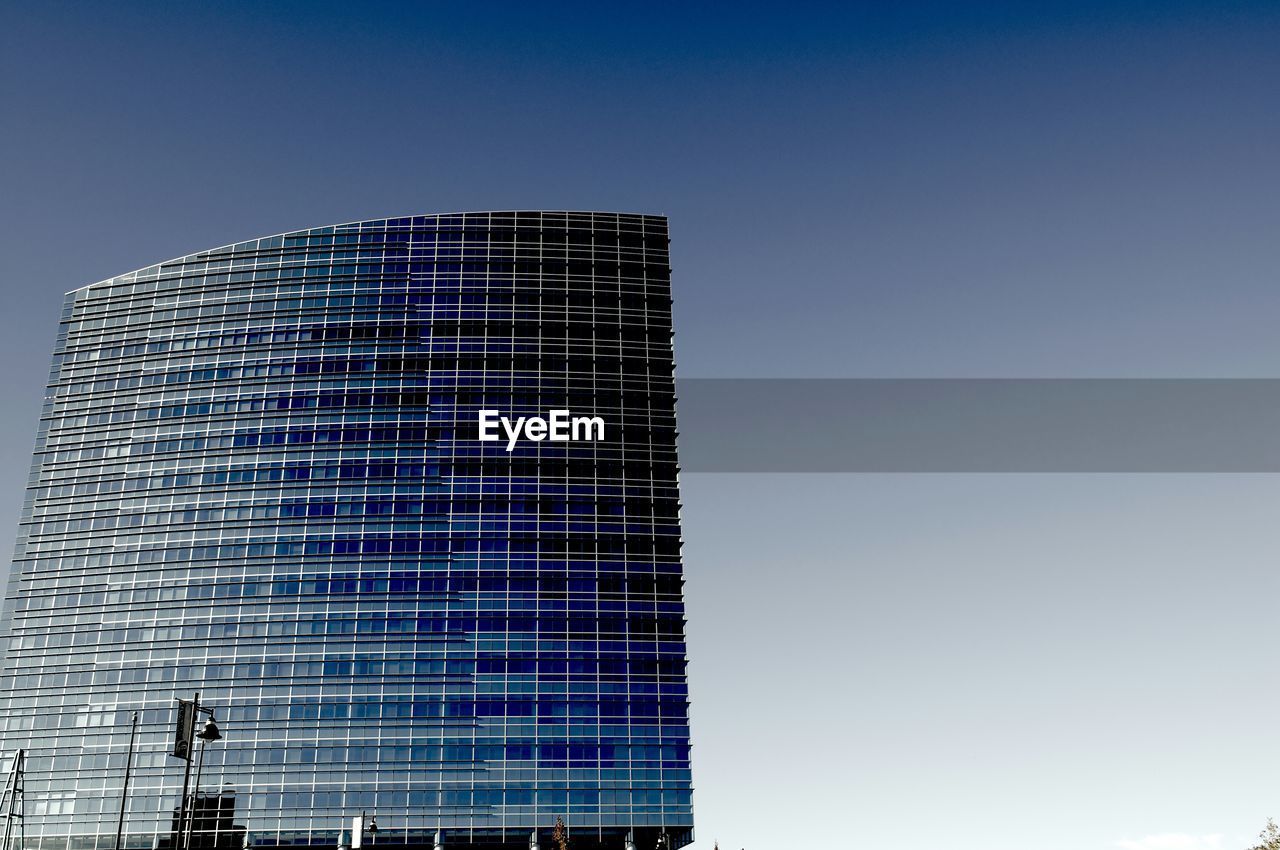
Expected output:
{"points": [[258, 476]]}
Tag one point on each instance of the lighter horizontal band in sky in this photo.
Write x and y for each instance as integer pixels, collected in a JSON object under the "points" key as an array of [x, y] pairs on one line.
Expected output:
{"points": [[979, 425]]}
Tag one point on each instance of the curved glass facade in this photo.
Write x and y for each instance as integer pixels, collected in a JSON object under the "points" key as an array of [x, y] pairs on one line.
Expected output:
{"points": [[258, 476]]}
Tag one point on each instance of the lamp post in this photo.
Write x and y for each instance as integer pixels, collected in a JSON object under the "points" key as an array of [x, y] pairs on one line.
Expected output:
{"points": [[358, 829], [128, 766], [188, 712], [208, 734]]}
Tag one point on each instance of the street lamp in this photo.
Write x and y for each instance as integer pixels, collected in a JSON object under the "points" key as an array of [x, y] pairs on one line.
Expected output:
{"points": [[189, 712], [358, 828], [210, 731], [206, 735]]}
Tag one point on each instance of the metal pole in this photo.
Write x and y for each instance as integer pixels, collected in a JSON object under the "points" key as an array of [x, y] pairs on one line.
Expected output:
{"points": [[179, 844], [195, 793], [128, 766]]}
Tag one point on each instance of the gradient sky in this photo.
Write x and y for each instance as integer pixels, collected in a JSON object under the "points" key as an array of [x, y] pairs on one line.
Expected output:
{"points": [[975, 662]]}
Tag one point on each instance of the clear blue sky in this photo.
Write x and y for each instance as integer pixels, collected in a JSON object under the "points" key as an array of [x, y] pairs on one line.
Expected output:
{"points": [[944, 190]]}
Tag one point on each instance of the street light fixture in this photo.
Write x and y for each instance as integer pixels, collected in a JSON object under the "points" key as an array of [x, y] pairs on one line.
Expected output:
{"points": [[210, 731]]}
